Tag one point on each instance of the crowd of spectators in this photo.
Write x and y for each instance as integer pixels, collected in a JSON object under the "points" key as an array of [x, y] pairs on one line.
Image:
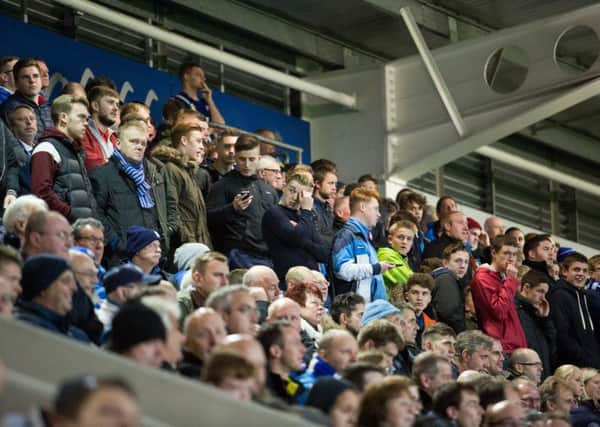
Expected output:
{"points": [[197, 252]]}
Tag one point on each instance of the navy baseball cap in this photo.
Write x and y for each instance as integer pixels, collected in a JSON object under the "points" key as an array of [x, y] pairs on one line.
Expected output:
{"points": [[125, 275]]}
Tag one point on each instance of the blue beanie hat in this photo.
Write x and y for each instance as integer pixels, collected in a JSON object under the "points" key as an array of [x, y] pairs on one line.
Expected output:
{"points": [[39, 272], [138, 238], [378, 309], [564, 252]]}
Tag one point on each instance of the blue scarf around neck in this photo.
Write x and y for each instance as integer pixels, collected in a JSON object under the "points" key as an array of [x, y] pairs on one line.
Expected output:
{"points": [[135, 171]]}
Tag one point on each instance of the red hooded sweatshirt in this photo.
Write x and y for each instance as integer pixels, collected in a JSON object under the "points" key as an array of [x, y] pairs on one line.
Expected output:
{"points": [[495, 306]]}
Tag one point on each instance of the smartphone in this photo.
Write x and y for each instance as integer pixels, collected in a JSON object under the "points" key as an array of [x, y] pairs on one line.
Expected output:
{"points": [[245, 194]]}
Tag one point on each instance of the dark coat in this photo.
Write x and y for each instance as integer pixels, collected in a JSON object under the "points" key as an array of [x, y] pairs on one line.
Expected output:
{"points": [[191, 209], [42, 112], [576, 341], [293, 239], [42, 317], [239, 230], [540, 333], [119, 207], [448, 299], [9, 167], [587, 414], [190, 366]]}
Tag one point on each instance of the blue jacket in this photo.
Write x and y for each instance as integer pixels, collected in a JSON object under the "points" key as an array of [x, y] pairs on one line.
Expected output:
{"points": [[42, 317], [316, 369], [355, 264]]}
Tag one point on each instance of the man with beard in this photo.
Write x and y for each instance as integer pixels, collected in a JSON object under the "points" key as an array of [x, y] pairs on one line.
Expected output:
{"points": [[99, 139]]}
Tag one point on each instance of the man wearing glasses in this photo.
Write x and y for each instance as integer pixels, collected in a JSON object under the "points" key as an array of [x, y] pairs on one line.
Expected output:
{"points": [[7, 81], [269, 170], [237, 307]]}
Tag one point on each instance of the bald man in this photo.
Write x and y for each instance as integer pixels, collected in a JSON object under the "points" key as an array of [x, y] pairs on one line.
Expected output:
{"points": [[526, 362], [285, 309], [249, 348], [504, 413], [85, 271], [264, 277], [204, 330]]}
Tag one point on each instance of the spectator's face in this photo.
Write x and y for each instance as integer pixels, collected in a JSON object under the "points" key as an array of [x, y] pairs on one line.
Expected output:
{"points": [[242, 316], [192, 146], [507, 255], [59, 296], [273, 176], [496, 359], [342, 208], [290, 312], [543, 252], [7, 78], [247, 161], [592, 387], [150, 254], [495, 227], [270, 283], [530, 396], [576, 274], [519, 237], [93, 239], [444, 346], [292, 193], [29, 82], [11, 273], [175, 339], [447, 206], [419, 297], [313, 309], [8, 296], [204, 333], [196, 78], [226, 149], [408, 324], [370, 211], [576, 382], [458, 227], [352, 323], [469, 411], [479, 360], [389, 351], [345, 409], [109, 406], [76, 121], [24, 124], [327, 188], [595, 272], [215, 276], [399, 411], [415, 210], [401, 240], [321, 282], [132, 144], [565, 401], [458, 263], [474, 234], [148, 353], [341, 353], [44, 74], [57, 239], [370, 185], [107, 110], [86, 272], [535, 295], [240, 389], [292, 352], [442, 377]]}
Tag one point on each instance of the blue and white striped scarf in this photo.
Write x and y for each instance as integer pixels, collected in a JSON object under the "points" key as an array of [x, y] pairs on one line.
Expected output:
{"points": [[136, 173]]}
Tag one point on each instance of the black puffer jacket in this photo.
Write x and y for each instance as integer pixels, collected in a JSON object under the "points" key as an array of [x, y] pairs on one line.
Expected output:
{"points": [[577, 343], [239, 230]]}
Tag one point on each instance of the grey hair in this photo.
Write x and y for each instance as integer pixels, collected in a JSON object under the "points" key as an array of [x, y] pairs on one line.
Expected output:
{"points": [[254, 274], [472, 341], [220, 300], [163, 307], [20, 209], [81, 223]]}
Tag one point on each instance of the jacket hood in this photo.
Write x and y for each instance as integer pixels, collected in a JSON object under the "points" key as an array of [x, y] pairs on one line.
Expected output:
{"points": [[168, 154], [581, 298]]}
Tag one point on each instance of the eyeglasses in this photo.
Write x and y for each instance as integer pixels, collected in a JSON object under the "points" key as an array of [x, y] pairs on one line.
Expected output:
{"points": [[530, 363], [93, 240], [275, 171]]}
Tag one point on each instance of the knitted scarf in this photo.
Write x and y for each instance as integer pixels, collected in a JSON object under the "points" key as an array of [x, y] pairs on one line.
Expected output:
{"points": [[136, 173]]}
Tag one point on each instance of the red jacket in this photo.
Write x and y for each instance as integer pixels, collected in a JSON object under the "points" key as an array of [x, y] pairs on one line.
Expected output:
{"points": [[94, 156], [495, 306]]}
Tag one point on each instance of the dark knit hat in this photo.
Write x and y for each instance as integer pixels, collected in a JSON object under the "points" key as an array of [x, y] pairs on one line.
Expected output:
{"points": [[563, 252], [39, 272], [134, 324], [471, 223], [138, 238], [326, 391], [125, 275]]}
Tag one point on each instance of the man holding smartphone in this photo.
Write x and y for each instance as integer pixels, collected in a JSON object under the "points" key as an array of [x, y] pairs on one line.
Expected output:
{"points": [[235, 208], [195, 93]]}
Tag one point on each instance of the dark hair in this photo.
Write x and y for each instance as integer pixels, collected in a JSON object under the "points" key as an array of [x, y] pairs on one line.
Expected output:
{"points": [[381, 332], [427, 363], [246, 142], [271, 334], [533, 278], [511, 229], [355, 373], [98, 92], [324, 164], [170, 110], [450, 395], [573, 258], [453, 248], [99, 81], [6, 59], [420, 279], [503, 240], [24, 63], [439, 203], [350, 188], [408, 198], [533, 242], [366, 178], [186, 67], [491, 392], [345, 304], [430, 264]]}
